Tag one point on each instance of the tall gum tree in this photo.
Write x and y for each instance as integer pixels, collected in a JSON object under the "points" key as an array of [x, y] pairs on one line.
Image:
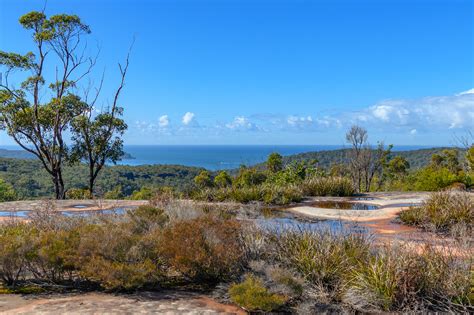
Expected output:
{"points": [[37, 114], [41, 115]]}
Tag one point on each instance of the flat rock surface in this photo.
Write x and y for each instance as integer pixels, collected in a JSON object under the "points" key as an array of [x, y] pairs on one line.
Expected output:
{"points": [[102, 303], [390, 205]]}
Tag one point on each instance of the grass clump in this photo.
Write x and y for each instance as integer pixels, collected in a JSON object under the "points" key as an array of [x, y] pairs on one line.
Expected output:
{"points": [[328, 186], [253, 296], [444, 211]]}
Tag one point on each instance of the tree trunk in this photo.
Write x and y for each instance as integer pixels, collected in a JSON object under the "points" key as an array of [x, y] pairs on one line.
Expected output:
{"points": [[91, 182], [58, 185]]}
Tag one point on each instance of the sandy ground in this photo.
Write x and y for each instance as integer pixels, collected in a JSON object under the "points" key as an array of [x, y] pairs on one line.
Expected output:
{"points": [[166, 302]]}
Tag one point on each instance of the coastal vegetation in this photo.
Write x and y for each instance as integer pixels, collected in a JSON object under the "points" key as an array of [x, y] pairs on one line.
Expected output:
{"points": [[121, 181], [444, 212], [260, 269], [214, 231]]}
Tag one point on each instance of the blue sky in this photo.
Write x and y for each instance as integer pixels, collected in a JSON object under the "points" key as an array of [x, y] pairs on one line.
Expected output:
{"points": [[278, 72]]}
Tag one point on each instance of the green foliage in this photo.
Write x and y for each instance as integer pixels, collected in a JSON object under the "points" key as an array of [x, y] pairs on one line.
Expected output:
{"points": [[432, 179], [248, 177], [470, 158], [7, 193], [253, 296], [203, 180], [145, 193], [268, 193], [115, 193], [398, 166], [78, 193], [30, 181], [223, 180], [275, 162], [15, 249], [327, 186], [442, 211], [321, 257]]}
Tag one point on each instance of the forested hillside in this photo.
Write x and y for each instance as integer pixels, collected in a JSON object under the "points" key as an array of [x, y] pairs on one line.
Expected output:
{"points": [[416, 158], [30, 180]]}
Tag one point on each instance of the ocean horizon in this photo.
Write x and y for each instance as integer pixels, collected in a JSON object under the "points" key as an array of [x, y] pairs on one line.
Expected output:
{"points": [[216, 157]]}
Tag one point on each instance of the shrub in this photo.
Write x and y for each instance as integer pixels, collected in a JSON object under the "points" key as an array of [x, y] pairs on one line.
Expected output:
{"points": [[222, 180], [281, 195], [433, 179], [15, 247], [7, 193], [397, 278], [275, 162], [249, 177], [115, 193], [116, 258], [203, 179], [147, 217], [253, 296], [78, 193], [56, 255], [328, 186], [321, 257], [442, 212], [205, 248], [145, 193]]}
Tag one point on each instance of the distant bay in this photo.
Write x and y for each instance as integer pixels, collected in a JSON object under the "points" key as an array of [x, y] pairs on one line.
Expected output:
{"points": [[216, 157], [212, 157]]}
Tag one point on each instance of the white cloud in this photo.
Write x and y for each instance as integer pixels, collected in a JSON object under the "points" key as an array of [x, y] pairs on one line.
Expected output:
{"points": [[188, 118], [241, 123], [439, 112], [413, 132], [163, 121], [296, 121], [470, 91]]}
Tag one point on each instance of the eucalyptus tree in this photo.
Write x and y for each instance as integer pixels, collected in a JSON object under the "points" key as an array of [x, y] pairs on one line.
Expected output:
{"points": [[37, 114], [97, 138], [365, 162]]}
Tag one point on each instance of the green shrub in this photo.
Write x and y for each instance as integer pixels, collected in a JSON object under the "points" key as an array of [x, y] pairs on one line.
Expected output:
{"points": [[253, 296], [275, 162], [442, 211], [321, 257], [249, 177], [116, 258], [281, 195], [328, 186], [78, 193], [145, 193], [115, 193], [16, 246], [203, 179], [432, 179], [397, 278], [7, 193], [375, 281], [223, 180]]}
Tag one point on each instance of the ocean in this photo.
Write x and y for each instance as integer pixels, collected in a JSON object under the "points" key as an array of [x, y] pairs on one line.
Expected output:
{"points": [[214, 157]]}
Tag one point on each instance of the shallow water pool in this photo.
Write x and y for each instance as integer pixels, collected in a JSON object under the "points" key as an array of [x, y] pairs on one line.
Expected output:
{"points": [[344, 205], [25, 213]]}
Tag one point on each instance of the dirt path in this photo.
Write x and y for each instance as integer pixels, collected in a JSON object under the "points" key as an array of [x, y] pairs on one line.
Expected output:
{"points": [[102, 303]]}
